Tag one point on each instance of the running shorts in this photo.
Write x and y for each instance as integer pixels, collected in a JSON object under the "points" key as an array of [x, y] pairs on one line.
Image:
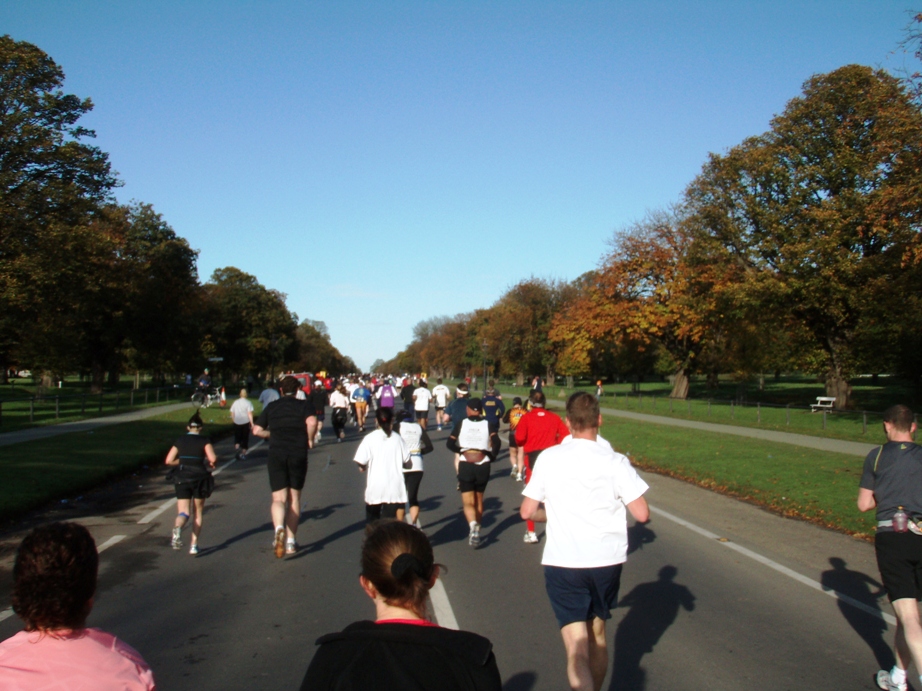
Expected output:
{"points": [[899, 558], [412, 480], [422, 414], [512, 444], [473, 478], [361, 405], [579, 595], [375, 512], [195, 489], [287, 471]]}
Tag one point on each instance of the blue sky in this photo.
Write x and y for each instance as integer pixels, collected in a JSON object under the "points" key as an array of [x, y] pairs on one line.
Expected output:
{"points": [[382, 163]]}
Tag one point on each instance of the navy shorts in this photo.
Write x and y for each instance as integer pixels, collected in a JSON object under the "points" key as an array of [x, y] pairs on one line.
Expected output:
{"points": [[579, 595]]}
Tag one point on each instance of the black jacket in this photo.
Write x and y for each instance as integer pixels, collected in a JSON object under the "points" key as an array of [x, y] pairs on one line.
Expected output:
{"points": [[402, 657]]}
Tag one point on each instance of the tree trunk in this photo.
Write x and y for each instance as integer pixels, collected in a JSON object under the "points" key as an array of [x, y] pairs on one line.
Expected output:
{"points": [[680, 384], [838, 386], [97, 377], [520, 379], [569, 381]]}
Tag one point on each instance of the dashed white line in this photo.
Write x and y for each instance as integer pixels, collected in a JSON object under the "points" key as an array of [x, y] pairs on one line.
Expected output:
{"points": [[790, 573]]}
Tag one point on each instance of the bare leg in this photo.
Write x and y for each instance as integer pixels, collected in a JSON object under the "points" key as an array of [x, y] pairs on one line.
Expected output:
{"points": [[908, 642], [182, 512], [587, 658], [414, 514], [279, 507], [293, 513], [197, 520], [470, 509], [478, 506]]}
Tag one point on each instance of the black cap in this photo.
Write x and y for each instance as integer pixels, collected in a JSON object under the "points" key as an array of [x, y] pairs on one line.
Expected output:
{"points": [[475, 404]]}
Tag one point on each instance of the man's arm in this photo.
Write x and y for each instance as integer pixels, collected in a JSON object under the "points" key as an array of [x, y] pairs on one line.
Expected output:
{"points": [[866, 500], [531, 510], [260, 432], [639, 510], [311, 423]]}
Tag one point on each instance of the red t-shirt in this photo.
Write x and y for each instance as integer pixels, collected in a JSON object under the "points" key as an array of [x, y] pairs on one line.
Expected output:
{"points": [[540, 429]]}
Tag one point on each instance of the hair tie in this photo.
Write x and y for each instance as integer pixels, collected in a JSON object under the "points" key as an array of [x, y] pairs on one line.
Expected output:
{"points": [[407, 562]]}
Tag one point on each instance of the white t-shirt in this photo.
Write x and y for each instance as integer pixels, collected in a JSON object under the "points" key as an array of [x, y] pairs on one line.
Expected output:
{"points": [[338, 400], [412, 435], [240, 410], [585, 488], [441, 393], [422, 396], [384, 457]]}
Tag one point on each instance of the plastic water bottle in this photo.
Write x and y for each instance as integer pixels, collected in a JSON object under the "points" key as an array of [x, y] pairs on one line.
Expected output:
{"points": [[900, 521]]}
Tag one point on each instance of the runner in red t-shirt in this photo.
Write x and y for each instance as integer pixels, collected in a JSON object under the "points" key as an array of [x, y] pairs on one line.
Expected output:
{"points": [[539, 429]]}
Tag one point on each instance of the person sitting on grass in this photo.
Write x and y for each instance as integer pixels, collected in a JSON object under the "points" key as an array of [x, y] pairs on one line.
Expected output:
{"points": [[54, 582]]}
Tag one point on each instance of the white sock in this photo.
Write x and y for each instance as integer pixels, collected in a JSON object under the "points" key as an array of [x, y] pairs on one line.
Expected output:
{"points": [[897, 675]]}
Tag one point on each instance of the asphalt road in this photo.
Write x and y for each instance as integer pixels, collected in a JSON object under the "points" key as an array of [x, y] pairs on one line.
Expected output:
{"points": [[717, 594]]}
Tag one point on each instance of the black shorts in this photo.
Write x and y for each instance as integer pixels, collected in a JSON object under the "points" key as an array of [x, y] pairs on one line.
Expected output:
{"points": [[473, 478], [899, 558], [582, 594], [412, 480], [200, 489], [375, 512], [439, 408], [422, 414], [512, 444], [287, 471], [242, 435]]}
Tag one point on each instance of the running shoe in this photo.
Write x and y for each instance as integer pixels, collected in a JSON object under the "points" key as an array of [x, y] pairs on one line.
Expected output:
{"points": [[474, 538], [193, 550], [418, 524], [291, 547], [279, 543], [518, 477], [530, 538], [883, 681], [176, 542]]}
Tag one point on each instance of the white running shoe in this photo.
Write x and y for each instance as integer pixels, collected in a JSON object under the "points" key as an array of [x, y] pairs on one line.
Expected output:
{"points": [[474, 538], [193, 550], [883, 681], [530, 538], [176, 542]]}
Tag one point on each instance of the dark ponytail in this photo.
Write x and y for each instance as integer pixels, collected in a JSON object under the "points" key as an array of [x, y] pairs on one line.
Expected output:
{"points": [[385, 418], [397, 558]]}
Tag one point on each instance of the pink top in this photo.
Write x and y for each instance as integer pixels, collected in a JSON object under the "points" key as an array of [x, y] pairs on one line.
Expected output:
{"points": [[91, 660]]}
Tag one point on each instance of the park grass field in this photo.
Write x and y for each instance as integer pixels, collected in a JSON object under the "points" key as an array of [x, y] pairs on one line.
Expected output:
{"points": [[37, 472], [797, 482]]}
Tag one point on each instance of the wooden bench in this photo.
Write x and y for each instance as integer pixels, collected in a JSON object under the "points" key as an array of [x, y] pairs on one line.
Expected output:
{"points": [[823, 403]]}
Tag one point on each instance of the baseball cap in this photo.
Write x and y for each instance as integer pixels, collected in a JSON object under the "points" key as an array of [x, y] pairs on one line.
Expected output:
{"points": [[475, 404]]}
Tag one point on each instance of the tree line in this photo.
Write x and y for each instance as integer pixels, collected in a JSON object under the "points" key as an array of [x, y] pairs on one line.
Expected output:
{"points": [[92, 286], [796, 250]]}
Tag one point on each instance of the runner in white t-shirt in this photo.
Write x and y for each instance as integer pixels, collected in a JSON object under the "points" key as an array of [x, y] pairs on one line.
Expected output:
{"points": [[241, 413], [587, 490], [421, 398], [383, 455], [441, 394]]}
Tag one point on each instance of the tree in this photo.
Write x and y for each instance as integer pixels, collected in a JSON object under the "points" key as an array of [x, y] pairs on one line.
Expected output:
{"points": [[52, 184], [821, 214]]}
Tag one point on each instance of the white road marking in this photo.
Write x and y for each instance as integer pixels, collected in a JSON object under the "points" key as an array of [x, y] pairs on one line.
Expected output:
{"points": [[444, 615], [800, 578], [114, 540], [170, 502]]}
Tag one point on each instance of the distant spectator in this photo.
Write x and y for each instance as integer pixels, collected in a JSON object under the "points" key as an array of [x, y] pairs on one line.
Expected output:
{"points": [[54, 581], [269, 394]]}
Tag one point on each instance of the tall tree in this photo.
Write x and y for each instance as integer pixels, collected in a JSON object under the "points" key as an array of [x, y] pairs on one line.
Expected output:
{"points": [[821, 214], [52, 184]]}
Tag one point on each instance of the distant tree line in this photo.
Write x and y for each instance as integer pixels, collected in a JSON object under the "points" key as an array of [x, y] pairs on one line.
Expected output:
{"points": [[797, 250], [92, 286]]}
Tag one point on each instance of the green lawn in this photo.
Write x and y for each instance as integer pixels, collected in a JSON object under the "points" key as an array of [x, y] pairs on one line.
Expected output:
{"points": [[798, 482], [37, 472]]}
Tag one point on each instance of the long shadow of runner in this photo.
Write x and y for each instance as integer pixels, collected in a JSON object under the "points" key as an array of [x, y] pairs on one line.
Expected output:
{"points": [[318, 545], [858, 586], [654, 608]]}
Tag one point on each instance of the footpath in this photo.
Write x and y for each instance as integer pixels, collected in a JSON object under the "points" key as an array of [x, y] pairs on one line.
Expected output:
{"points": [[852, 448], [34, 433]]}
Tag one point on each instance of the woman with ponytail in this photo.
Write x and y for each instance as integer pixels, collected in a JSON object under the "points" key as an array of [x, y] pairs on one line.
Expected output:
{"points": [[401, 649], [383, 455]]}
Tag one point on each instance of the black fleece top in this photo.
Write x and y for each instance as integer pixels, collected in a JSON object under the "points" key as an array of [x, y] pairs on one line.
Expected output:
{"points": [[402, 657]]}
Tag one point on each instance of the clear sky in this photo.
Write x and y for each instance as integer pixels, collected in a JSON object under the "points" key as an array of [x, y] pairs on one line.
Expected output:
{"points": [[382, 163]]}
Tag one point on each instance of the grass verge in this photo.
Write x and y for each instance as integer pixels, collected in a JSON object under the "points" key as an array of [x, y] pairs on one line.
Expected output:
{"points": [[37, 472], [797, 482]]}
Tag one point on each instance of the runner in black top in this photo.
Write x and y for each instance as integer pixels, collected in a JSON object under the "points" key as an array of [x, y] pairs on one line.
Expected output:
{"points": [[193, 458], [288, 424]]}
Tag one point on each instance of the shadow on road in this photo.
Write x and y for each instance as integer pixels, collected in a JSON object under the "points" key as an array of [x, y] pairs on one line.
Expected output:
{"points": [[523, 681], [312, 547], [639, 535], [865, 590], [653, 609]]}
